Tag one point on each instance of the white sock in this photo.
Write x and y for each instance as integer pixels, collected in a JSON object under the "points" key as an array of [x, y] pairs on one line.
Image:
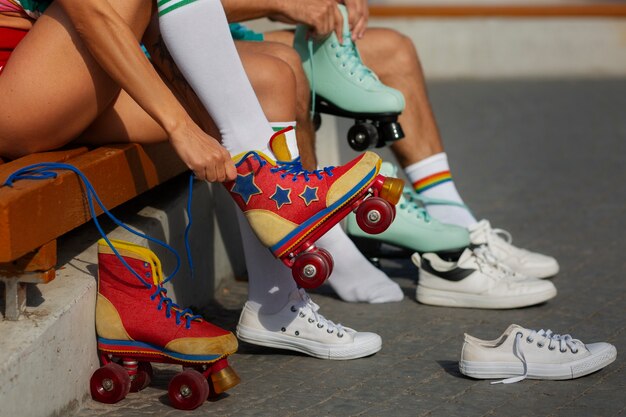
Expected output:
{"points": [[269, 281], [199, 40], [431, 178], [354, 278]]}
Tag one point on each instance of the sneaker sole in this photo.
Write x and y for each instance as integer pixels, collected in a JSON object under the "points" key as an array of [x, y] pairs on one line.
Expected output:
{"points": [[315, 349], [455, 299], [571, 370]]}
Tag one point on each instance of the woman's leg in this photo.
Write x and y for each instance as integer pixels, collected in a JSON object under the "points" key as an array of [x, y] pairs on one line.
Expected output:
{"points": [[52, 78]]}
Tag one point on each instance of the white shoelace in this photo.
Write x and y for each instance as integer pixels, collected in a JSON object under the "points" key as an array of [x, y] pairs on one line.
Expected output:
{"points": [[486, 258], [547, 336], [307, 305]]}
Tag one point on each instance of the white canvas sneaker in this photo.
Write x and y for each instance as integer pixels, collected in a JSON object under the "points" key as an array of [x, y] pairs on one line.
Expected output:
{"points": [[523, 353], [299, 326], [476, 280], [500, 242]]}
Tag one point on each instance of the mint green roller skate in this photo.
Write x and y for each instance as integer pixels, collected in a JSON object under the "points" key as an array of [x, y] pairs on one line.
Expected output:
{"points": [[343, 86], [412, 229]]}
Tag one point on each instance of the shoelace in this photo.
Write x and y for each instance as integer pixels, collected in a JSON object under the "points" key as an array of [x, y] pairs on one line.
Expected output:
{"points": [[485, 257], [293, 168], [46, 170], [411, 206], [307, 305], [547, 336]]}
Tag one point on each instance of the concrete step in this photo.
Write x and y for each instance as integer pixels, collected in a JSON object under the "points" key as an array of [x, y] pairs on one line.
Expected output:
{"points": [[49, 354]]}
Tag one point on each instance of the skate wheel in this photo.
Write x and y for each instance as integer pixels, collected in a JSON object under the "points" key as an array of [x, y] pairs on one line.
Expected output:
{"points": [[142, 378], [362, 136], [317, 121], [328, 257], [375, 215], [391, 190], [311, 269], [188, 390], [109, 384]]}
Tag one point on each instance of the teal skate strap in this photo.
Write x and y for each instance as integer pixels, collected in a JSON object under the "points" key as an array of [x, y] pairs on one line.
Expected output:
{"points": [[428, 201]]}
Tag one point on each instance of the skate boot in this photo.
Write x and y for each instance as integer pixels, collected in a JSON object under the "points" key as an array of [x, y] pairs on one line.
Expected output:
{"points": [[136, 323], [289, 208], [342, 85], [413, 230]]}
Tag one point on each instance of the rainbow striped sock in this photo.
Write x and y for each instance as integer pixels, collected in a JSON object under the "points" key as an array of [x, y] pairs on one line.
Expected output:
{"points": [[431, 181]]}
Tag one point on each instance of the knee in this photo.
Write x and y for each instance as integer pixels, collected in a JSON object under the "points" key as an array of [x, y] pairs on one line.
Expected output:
{"points": [[399, 59]]}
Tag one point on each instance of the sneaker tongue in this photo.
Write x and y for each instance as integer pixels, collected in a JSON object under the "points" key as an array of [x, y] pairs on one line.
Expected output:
{"points": [[478, 232], [283, 146]]}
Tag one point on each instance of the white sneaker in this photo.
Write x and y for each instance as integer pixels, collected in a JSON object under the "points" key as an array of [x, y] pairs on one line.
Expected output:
{"points": [[520, 260], [522, 353], [299, 326], [476, 280]]}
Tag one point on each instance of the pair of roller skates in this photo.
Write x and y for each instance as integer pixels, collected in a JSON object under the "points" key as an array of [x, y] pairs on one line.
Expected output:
{"points": [[289, 208], [343, 86]]}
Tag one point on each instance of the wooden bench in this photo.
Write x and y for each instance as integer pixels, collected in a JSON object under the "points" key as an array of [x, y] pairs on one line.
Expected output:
{"points": [[34, 213]]}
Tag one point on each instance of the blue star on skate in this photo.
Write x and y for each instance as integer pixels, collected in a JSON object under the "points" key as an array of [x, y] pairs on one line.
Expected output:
{"points": [[245, 187], [281, 196], [309, 195]]}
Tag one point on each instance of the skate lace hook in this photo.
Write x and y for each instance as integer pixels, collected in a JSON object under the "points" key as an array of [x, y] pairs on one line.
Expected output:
{"points": [[295, 168], [189, 316]]}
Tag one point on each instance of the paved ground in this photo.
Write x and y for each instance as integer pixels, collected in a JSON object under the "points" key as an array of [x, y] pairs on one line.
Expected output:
{"points": [[544, 160]]}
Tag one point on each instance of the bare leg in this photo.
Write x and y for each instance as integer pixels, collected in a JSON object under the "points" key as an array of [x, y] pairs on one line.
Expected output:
{"points": [[305, 132], [48, 90]]}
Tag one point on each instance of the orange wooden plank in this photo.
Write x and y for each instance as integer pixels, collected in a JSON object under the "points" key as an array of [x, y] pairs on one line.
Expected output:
{"points": [[35, 212], [55, 156], [505, 11], [43, 258]]}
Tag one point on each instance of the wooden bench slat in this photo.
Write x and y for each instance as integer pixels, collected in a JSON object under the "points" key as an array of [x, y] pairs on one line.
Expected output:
{"points": [[64, 155], [35, 212]]}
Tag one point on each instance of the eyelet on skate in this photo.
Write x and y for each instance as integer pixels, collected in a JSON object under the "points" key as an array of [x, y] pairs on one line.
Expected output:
{"points": [[320, 326], [311, 320], [330, 331], [282, 329], [293, 309], [301, 314], [146, 264], [529, 340], [340, 335], [297, 333]]}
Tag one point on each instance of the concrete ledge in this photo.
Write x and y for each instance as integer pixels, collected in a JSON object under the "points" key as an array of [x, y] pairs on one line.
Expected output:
{"points": [[48, 355]]}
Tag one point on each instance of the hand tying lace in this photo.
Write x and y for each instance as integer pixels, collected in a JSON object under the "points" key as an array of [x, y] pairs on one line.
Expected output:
{"points": [[307, 306], [544, 337]]}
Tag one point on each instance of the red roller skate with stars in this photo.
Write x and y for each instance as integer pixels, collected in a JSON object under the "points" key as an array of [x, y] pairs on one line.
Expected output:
{"points": [[136, 323], [289, 208]]}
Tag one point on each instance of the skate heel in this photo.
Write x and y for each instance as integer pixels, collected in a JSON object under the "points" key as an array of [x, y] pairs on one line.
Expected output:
{"points": [[391, 189], [224, 378]]}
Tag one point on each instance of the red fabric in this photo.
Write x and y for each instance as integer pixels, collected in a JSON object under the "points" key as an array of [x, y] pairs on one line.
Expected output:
{"points": [[9, 38], [141, 317]]}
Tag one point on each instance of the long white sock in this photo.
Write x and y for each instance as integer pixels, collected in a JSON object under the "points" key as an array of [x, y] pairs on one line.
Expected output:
{"points": [[431, 178], [198, 39], [269, 280], [354, 278]]}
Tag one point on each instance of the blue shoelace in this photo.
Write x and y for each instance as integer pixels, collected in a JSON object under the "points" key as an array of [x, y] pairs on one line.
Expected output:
{"points": [[46, 170], [293, 168]]}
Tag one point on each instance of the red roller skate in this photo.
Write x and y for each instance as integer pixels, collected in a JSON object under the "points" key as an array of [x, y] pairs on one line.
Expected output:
{"points": [[289, 208], [137, 323]]}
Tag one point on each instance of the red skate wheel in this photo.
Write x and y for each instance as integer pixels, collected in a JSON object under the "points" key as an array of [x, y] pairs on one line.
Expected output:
{"points": [[188, 390], [310, 269], [142, 378], [109, 384], [328, 257], [374, 215]]}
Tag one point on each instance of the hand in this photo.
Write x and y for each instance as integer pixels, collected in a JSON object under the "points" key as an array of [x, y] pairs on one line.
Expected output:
{"points": [[358, 15], [204, 155], [322, 16]]}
